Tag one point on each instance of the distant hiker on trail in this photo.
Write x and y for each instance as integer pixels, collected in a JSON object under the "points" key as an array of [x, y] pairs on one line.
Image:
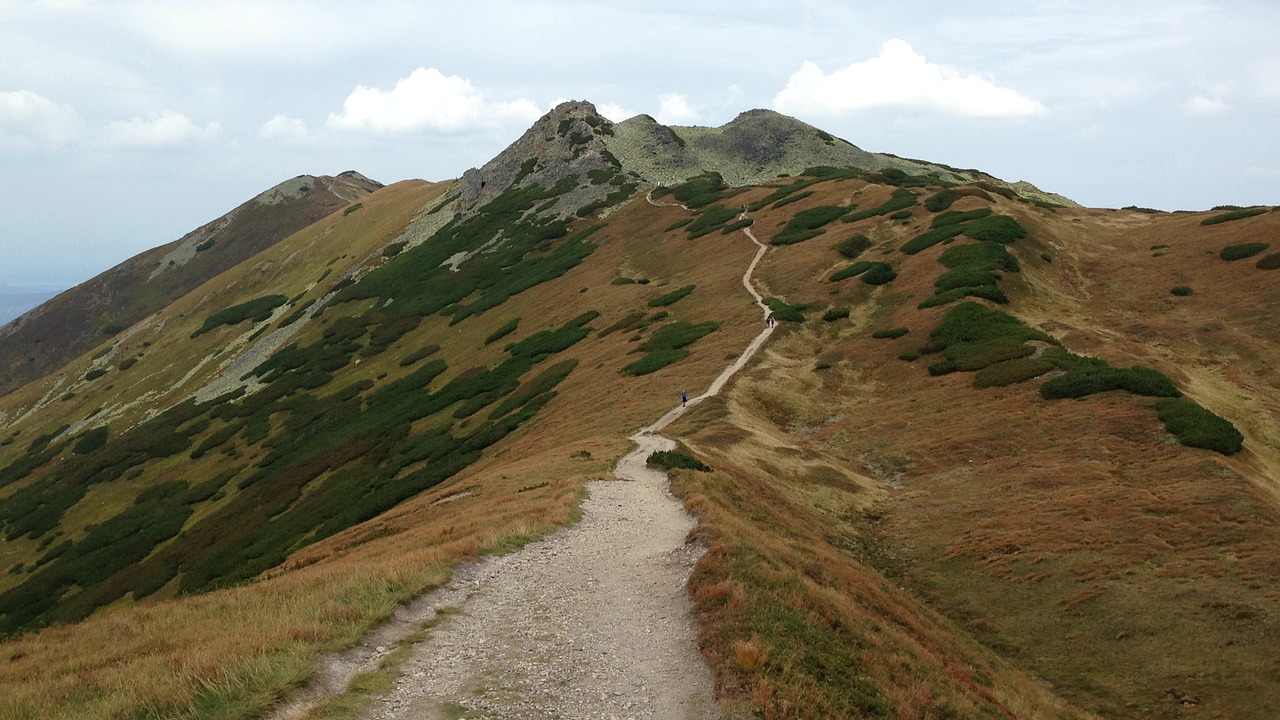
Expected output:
{"points": [[684, 398], [769, 320]]}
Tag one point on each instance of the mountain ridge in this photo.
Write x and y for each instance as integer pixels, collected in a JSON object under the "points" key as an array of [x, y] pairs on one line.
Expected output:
{"points": [[895, 495]]}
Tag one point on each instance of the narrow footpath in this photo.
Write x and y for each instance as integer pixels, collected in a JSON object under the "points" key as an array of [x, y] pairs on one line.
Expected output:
{"points": [[592, 622]]}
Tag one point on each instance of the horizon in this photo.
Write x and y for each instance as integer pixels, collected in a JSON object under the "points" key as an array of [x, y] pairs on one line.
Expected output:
{"points": [[117, 142]]}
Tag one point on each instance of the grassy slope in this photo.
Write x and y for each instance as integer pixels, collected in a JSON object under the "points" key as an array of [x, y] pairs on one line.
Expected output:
{"points": [[1073, 538], [832, 489]]}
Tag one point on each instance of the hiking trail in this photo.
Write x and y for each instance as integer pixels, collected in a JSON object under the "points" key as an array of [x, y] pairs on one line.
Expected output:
{"points": [[594, 621]]}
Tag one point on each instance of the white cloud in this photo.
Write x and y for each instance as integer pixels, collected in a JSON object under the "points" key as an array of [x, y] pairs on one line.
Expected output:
{"points": [[166, 129], [284, 129], [1202, 105], [616, 112], [427, 100], [899, 77], [32, 119], [674, 109]]}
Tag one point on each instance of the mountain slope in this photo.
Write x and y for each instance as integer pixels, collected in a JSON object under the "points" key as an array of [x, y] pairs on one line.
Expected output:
{"points": [[903, 516], [47, 337]]}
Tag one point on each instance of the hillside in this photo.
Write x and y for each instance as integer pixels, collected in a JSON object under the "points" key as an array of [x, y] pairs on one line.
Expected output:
{"points": [[46, 338], [1001, 458]]}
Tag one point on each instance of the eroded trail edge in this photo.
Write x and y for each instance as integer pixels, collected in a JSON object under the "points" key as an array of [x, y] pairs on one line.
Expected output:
{"points": [[594, 621]]}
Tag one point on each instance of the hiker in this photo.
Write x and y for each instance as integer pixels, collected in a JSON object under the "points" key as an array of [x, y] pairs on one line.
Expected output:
{"points": [[684, 398], [769, 320]]}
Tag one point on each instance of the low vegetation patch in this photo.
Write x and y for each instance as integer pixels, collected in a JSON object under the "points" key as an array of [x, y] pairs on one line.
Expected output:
{"points": [[954, 217], [700, 191], [257, 310], [710, 220], [833, 314], [1089, 375], [672, 459], [973, 336], [1269, 262], [1181, 290], [1240, 251], [807, 224], [668, 345], [942, 199], [852, 247], [890, 333], [672, 297], [1237, 214], [879, 274], [502, 332], [902, 198], [1194, 426], [784, 311], [1013, 371]]}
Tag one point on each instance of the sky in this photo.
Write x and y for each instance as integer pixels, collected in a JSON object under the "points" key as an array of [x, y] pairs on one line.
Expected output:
{"points": [[126, 124]]}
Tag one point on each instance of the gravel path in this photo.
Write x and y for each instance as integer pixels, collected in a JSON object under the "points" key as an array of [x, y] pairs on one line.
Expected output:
{"points": [[592, 622]]}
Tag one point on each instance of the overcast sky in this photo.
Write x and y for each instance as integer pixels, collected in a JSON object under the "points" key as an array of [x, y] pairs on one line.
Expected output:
{"points": [[125, 124]]}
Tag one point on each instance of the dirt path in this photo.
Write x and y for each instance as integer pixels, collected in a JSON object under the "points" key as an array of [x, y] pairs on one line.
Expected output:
{"points": [[592, 622]]}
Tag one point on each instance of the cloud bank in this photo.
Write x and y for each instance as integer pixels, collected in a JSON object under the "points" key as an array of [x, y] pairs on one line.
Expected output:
{"points": [[899, 77], [32, 119], [427, 101], [162, 130]]}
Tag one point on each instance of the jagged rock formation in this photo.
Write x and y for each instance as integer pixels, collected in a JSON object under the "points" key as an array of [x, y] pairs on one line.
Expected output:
{"points": [[52, 334]]}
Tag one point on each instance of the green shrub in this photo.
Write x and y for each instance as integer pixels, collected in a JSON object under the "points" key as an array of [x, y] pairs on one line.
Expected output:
{"points": [[986, 292], [1194, 426], [852, 270], [785, 312], [909, 356], [672, 297], [852, 247], [901, 199], [965, 277], [806, 224], [900, 215], [942, 199], [784, 191], [1269, 262], [502, 332], [1181, 290], [996, 228], [1241, 251], [1237, 214], [989, 256], [737, 225], [700, 191], [890, 333], [710, 220], [1086, 376], [955, 217], [879, 274], [112, 329], [678, 224], [973, 336], [794, 198], [257, 309], [352, 208], [1009, 372], [623, 281], [667, 345], [833, 314], [94, 374], [90, 441], [670, 459], [929, 238]]}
